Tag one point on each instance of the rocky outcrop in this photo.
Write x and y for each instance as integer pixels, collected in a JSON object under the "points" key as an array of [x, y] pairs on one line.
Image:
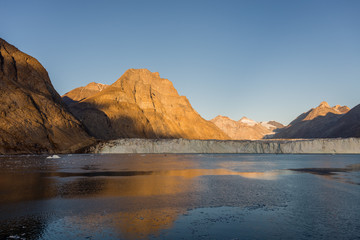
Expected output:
{"points": [[141, 104], [245, 128], [315, 123], [80, 93], [33, 117], [315, 146]]}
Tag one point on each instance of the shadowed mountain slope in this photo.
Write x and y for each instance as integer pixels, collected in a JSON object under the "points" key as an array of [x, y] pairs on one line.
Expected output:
{"points": [[348, 125], [140, 104], [316, 123], [33, 117]]}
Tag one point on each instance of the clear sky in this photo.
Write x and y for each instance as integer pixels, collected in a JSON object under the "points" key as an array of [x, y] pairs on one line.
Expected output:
{"points": [[267, 60]]}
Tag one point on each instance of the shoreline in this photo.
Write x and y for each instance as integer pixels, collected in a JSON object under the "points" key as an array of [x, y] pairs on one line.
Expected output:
{"points": [[186, 146]]}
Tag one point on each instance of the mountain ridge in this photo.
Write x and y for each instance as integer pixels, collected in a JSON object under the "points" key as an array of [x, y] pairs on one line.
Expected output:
{"points": [[81, 93], [245, 128], [314, 123], [33, 117], [142, 104]]}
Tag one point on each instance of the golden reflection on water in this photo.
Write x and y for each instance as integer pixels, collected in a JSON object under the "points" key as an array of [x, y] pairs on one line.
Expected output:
{"points": [[192, 173], [134, 198], [153, 184], [142, 192], [149, 221], [142, 223], [146, 186], [139, 221], [138, 224], [250, 166], [273, 175], [40, 186]]}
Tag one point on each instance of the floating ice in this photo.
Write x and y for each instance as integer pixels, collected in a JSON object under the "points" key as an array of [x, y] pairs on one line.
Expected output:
{"points": [[53, 157]]}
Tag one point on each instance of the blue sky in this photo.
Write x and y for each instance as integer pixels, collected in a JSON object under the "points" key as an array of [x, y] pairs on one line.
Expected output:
{"points": [[267, 60]]}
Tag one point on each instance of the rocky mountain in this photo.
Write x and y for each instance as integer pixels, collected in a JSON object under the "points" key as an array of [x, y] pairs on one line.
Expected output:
{"points": [[348, 125], [245, 128], [315, 123], [142, 104], [33, 117], [81, 93]]}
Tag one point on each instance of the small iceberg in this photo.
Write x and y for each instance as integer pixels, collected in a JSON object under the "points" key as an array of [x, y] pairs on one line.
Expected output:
{"points": [[53, 157]]}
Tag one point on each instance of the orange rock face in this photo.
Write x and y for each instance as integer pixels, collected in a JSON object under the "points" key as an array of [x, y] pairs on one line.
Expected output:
{"points": [[142, 104], [33, 117], [323, 109], [81, 93]]}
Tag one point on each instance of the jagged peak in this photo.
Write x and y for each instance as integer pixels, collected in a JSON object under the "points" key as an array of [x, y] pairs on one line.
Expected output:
{"points": [[221, 116], [95, 85], [247, 121], [324, 104], [141, 71], [143, 75], [342, 109], [133, 78], [81, 93], [218, 117], [338, 108], [323, 109]]}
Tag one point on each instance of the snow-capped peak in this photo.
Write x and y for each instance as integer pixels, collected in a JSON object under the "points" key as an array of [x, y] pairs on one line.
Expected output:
{"points": [[247, 121]]}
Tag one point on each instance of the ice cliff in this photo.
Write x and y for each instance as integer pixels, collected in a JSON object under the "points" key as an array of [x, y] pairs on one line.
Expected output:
{"points": [[135, 145]]}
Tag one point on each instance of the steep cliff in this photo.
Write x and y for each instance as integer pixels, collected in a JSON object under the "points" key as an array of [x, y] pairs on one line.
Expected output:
{"points": [[33, 117], [314, 146], [141, 104]]}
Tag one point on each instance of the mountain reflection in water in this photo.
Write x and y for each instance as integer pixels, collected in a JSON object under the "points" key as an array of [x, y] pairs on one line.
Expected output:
{"points": [[141, 196]]}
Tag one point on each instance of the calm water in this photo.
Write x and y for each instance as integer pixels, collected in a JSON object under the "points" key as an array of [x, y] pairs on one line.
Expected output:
{"points": [[180, 196]]}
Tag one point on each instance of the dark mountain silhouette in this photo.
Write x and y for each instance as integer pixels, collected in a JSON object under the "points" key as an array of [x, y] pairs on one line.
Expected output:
{"points": [[316, 123], [348, 125]]}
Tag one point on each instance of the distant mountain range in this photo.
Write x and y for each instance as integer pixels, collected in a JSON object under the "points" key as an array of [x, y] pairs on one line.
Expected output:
{"points": [[324, 122], [140, 104], [246, 128]]}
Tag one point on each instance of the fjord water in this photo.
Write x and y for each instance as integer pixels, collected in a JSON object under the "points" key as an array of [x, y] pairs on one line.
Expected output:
{"points": [[180, 196]]}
